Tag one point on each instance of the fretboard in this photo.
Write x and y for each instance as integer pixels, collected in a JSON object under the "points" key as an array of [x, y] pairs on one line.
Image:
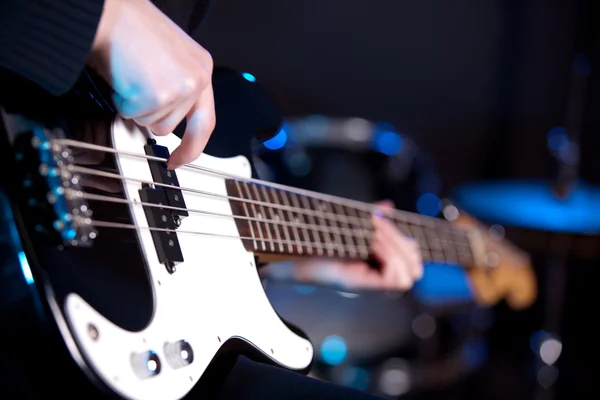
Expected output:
{"points": [[299, 223]]}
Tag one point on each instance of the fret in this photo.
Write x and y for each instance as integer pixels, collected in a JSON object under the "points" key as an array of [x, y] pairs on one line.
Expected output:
{"points": [[466, 259], [365, 219], [403, 227], [335, 225], [431, 233], [285, 226], [322, 235], [438, 238], [322, 209], [413, 219], [433, 239], [429, 223], [269, 213], [426, 255], [283, 195], [312, 226], [252, 233], [306, 235], [451, 258], [450, 252], [437, 256], [364, 246], [419, 236], [262, 215], [460, 244], [255, 213], [445, 236]]}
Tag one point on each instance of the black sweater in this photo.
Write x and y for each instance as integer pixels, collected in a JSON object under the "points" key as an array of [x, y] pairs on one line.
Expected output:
{"points": [[47, 42]]}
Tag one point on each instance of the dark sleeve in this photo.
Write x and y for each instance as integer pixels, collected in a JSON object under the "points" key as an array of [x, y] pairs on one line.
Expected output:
{"points": [[188, 14], [47, 41]]}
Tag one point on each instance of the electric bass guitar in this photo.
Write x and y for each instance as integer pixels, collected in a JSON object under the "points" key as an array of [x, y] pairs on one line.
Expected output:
{"points": [[149, 275]]}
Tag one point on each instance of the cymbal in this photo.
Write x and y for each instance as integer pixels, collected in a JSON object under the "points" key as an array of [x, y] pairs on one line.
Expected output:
{"points": [[534, 217], [532, 204]]}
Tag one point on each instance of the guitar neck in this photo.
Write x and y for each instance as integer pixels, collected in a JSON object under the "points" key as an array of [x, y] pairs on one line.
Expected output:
{"points": [[282, 221]]}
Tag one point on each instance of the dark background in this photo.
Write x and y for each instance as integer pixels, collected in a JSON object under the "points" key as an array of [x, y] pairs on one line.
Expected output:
{"points": [[478, 84]]}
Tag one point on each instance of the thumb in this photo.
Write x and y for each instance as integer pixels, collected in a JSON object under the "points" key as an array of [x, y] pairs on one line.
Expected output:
{"points": [[199, 127]]}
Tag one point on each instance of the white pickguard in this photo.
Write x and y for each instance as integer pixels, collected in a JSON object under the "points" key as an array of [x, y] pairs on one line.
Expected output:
{"points": [[214, 295]]}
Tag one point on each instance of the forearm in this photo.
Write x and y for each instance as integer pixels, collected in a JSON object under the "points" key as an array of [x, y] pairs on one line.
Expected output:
{"points": [[309, 271], [48, 41], [281, 271]]}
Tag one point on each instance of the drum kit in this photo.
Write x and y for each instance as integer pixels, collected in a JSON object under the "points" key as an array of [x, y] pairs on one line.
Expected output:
{"points": [[558, 219], [388, 343]]}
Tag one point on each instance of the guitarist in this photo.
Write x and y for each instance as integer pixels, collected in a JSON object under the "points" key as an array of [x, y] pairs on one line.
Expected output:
{"points": [[160, 77]]}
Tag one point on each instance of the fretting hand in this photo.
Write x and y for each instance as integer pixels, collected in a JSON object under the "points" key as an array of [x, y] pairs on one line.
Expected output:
{"points": [[159, 74], [400, 258]]}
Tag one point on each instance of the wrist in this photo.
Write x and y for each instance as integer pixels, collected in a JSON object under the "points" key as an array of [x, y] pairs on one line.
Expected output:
{"points": [[99, 54]]}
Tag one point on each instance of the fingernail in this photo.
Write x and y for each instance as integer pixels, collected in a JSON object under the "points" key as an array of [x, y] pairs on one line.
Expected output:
{"points": [[378, 213], [171, 165]]}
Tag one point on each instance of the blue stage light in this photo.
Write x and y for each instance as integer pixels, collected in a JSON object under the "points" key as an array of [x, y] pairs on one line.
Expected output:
{"points": [[277, 141], [387, 142], [333, 350], [25, 268], [249, 77], [428, 204]]}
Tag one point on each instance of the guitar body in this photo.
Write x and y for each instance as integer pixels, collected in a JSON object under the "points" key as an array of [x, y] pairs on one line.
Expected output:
{"points": [[131, 325], [143, 278]]}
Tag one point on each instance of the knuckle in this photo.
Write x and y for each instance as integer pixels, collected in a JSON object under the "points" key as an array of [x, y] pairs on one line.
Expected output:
{"points": [[207, 60], [211, 123], [163, 97], [195, 82], [189, 86], [161, 129], [406, 284]]}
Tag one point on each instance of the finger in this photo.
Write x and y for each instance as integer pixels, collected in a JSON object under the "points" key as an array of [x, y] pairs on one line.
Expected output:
{"points": [[387, 274], [167, 124], [411, 252], [407, 247], [391, 230], [136, 104], [151, 118], [129, 107], [410, 249], [394, 267], [417, 268], [160, 121], [361, 276], [398, 256], [385, 205], [200, 124]]}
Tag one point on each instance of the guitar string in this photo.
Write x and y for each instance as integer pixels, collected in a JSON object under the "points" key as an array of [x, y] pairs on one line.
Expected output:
{"points": [[322, 249], [118, 225], [440, 244], [343, 246], [400, 216], [90, 171], [404, 226], [454, 242], [91, 196]]}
